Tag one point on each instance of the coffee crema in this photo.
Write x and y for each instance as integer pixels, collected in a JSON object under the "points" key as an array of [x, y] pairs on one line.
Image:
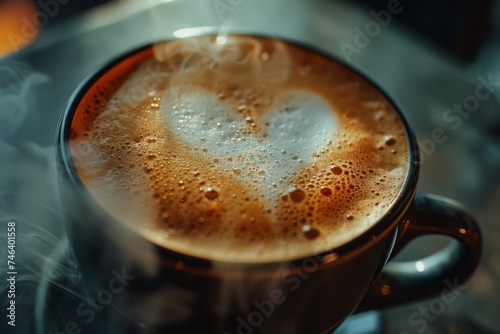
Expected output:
{"points": [[239, 148]]}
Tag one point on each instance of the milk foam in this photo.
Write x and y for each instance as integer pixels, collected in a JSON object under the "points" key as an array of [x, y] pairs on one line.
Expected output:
{"points": [[203, 153], [296, 126]]}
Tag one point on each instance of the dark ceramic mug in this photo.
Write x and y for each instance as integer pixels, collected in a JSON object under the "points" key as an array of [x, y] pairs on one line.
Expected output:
{"points": [[165, 291]]}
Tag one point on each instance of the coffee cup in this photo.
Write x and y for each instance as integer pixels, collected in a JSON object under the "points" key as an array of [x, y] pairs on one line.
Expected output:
{"points": [[248, 184]]}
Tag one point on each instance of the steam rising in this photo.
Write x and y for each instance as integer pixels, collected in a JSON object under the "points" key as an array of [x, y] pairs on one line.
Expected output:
{"points": [[208, 52], [16, 80], [42, 255]]}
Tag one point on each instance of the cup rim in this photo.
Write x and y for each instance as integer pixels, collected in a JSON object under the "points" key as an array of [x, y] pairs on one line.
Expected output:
{"points": [[390, 218]]}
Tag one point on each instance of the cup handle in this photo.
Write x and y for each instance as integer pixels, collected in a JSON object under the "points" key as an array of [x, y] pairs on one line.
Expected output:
{"points": [[401, 282]]}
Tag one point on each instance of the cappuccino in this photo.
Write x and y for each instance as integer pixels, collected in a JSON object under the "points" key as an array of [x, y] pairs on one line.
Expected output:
{"points": [[239, 148]]}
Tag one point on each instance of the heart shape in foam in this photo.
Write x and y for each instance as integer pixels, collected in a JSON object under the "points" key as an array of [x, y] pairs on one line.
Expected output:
{"points": [[281, 141]]}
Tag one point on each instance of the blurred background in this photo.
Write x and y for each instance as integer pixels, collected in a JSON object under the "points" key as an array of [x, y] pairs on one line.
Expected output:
{"points": [[431, 57]]}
